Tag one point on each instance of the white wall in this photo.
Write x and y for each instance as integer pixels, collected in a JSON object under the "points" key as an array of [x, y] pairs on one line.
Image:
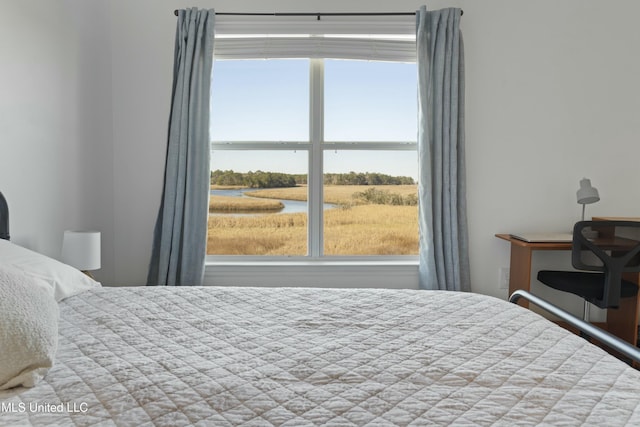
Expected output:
{"points": [[56, 164], [552, 96], [38, 121], [95, 127]]}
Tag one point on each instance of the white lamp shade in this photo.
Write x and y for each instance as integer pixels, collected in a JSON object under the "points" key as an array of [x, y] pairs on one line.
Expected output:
{"points": [[587, 194], [81, 249]]}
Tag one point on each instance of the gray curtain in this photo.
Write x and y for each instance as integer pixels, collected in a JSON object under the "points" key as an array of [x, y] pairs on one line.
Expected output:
{"points": [[180, 237], [444, 260]]}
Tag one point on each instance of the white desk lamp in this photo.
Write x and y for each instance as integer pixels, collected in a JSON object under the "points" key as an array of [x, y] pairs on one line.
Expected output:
{"points": [[81, 249], [587, 194]]}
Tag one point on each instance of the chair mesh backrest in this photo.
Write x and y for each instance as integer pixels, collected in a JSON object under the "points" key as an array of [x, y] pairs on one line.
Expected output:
{"points": [[612, 247]]}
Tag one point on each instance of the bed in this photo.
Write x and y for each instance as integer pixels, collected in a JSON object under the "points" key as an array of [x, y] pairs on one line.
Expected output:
{"points": [[224, 356]]}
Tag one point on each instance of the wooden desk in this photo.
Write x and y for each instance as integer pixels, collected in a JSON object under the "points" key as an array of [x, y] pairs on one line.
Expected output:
{"points": [[618, 320], [520, 261]]}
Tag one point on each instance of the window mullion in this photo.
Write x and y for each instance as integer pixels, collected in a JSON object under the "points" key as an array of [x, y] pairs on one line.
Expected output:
{"points": [[316, 129]]}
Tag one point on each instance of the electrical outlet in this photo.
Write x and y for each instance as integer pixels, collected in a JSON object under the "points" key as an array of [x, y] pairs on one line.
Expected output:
{"points": [[503, 278]]}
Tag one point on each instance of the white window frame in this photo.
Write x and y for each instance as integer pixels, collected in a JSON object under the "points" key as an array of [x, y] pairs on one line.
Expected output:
{"points": [[397, 38]]}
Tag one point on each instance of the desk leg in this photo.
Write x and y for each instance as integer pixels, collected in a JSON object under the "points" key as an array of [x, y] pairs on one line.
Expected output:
{"points": [[520, 271], [623, 321]]}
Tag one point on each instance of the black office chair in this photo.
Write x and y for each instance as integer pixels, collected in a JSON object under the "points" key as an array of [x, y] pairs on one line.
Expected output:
{"points": [[609, 248]]}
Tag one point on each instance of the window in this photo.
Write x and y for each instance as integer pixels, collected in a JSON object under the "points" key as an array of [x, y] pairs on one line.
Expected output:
{"points": [[313, 158]]}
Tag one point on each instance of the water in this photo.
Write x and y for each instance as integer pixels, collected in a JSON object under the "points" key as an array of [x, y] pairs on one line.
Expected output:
{"points": [[290, 206]]}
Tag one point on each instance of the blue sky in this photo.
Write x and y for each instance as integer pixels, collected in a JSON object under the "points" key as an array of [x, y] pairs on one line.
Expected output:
{"points": [[269, 100]]}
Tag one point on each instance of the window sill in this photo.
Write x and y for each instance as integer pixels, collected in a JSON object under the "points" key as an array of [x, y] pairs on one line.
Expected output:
{"points": [[306, 261], [353, 272]]}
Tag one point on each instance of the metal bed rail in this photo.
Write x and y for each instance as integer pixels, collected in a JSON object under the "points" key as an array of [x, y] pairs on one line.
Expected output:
{"points": [[588, 329]]}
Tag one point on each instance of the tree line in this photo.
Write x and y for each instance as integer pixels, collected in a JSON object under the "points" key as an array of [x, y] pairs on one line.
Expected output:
{"points": [[260, 179], [257, 179]]}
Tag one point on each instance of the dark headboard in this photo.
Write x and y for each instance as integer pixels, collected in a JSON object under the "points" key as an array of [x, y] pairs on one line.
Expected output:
{"points": [[4, 218]]}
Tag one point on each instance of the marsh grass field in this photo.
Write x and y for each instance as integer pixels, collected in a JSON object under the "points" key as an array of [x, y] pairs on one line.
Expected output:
{"points": [[355, 227], [229, 204]]}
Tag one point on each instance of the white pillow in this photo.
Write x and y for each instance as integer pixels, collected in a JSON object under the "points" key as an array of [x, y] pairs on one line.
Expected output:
{"points": [[28, 328], [64, 279]]}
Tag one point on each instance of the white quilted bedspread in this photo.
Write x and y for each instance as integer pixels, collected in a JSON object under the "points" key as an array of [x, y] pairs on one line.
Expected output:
{"points": [[296, 357]]}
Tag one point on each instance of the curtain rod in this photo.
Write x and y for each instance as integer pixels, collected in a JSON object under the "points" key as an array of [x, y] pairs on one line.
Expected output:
{"points": [[317, 14]]}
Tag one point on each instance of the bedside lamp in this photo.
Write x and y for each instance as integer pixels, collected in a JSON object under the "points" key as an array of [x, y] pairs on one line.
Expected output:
{"points": [[587, 194], [81, 249]]}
